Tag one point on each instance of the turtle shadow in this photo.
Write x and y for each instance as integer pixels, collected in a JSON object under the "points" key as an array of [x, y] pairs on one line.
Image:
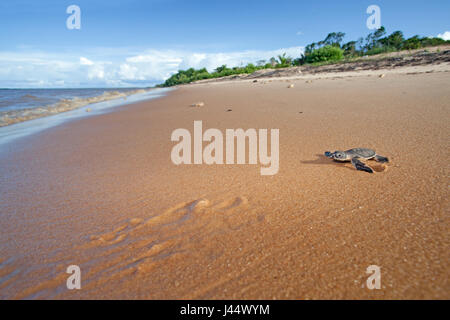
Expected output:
{"points": [[323, 160]]}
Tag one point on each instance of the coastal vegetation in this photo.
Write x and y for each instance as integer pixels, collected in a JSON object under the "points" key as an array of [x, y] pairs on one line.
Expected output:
{"points": [[330, 50]]}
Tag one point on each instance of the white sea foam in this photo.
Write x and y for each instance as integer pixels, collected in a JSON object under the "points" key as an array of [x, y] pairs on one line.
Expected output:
{"points": [[71, 109], [15, 116]]}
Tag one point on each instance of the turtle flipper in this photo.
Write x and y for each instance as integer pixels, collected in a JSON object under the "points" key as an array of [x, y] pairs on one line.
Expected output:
{"points": [[381, 159], [360, 166]]}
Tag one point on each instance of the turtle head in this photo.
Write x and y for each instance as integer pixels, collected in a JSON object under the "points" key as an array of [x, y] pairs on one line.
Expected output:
{"points": [[337, 155]]}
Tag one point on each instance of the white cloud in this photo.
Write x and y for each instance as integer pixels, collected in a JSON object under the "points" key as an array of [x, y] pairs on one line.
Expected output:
{"points": [[127, 71], [85, 61], [445, 35], [140, 69], [96, 72]]}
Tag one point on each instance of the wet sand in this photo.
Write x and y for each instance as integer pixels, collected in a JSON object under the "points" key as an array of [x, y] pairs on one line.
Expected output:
{"points": [[103, 193]]}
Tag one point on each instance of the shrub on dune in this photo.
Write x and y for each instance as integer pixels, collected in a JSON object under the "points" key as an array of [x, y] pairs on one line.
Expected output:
{"points": [[325, 54]]}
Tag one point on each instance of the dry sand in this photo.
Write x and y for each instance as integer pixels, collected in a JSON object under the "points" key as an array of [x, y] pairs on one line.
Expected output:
{"points": [[102, 193]]}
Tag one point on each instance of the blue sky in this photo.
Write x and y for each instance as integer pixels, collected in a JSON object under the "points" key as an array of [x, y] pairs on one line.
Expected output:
{"points": [[142, 42]]}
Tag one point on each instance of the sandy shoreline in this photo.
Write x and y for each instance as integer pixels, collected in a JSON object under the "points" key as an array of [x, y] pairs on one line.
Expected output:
{"points": [[102, 193]]}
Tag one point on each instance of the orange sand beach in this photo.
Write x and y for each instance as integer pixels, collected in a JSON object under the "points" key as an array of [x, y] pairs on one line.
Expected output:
{"points": [[102, 193]]}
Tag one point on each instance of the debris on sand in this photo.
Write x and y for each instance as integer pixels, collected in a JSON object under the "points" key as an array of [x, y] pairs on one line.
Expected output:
{"points": [[198, 104], [290, 86], [382, 75]]}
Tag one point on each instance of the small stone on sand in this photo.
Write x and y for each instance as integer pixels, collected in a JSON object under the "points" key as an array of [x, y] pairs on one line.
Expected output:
{"points": [[290, 86], [382, 75]]}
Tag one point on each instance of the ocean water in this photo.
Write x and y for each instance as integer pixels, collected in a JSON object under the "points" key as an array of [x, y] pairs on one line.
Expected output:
{"points": [[17, 105], [25, 111]]}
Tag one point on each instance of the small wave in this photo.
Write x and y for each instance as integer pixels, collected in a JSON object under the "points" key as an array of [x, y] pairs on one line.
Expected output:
{"points": [[63, 105], [29, 97]]}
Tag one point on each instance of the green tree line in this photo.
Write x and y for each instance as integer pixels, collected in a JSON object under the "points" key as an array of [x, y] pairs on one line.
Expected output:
{"points": [[329, 50]]}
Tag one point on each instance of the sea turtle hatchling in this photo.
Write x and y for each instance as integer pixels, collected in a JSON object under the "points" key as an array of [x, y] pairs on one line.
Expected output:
{"points": [[354, 155]]}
